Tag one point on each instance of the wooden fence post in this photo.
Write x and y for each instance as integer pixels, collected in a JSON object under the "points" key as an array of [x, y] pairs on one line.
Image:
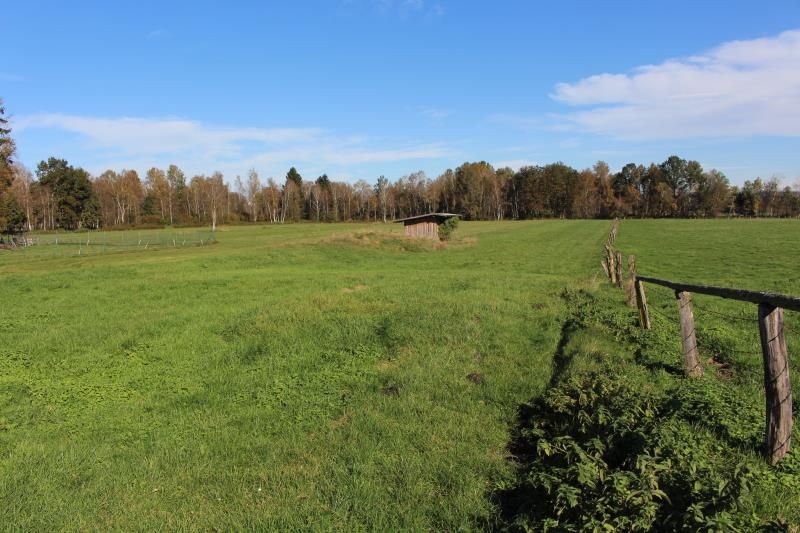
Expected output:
{"points": [[691, 357], [612, 235], [618, 260], [778, 388], [641, 303], [630, 290], [612, 267]]}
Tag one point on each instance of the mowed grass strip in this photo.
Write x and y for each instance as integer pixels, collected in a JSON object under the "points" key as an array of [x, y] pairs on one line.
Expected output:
{"points": [[285, 377]]}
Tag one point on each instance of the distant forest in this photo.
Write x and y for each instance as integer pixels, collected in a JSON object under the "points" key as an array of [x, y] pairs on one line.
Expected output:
{"points": [[59, 195]]}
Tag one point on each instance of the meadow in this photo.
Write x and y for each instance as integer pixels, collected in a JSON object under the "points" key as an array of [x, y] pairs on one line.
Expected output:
{"points": [[284, 377], [343, 377]]}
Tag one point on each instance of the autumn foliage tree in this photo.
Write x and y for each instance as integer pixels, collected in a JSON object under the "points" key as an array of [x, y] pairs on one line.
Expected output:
{"points": [[12, 215], [67, 197]]}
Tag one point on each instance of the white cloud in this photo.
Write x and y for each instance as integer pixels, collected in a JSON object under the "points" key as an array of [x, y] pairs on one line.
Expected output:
{"points": [[515, 164], [139, 143], [155, 136], [738, 89], [347, 157]]}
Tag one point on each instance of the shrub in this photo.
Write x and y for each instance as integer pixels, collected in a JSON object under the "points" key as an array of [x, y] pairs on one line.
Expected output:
{"points": [[447, 228], [599, 452]]}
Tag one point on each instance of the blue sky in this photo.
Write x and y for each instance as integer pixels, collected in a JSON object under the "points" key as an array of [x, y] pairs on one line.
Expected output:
{"points": [[360, 88]]}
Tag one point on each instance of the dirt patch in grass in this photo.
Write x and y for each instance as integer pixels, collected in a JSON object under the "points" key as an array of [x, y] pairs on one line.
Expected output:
{"points": [[395, 241], [357, 288], [722, 369], [475, 378]]}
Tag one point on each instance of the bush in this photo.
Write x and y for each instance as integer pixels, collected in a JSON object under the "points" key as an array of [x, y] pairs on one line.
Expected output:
{"points": [[601, 452], [447, 228]]}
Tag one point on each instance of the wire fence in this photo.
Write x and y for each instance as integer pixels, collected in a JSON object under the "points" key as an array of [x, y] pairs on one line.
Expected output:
{"points": [[662, 302], [734, 341], [96, 242], [721, 334]]}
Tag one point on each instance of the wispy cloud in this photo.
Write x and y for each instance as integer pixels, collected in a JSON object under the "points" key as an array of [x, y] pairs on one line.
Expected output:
{"points": [[372, 155], [424, 9], [516, 121], [157, 33], [155, 136], [515, 164], [738, 89], [434, 113], [435, 11], [141, 142], [7, 76]]}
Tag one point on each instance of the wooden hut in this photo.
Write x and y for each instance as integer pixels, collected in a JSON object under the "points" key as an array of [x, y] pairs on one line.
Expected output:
{"points": [[425, 225]]}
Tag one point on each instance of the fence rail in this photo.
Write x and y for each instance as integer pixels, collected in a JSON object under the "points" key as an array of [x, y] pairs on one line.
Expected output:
{"points": [[777, 383], [776, 300]]}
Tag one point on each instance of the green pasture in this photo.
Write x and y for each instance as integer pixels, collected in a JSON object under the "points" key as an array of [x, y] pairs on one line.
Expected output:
{"points": [[622, 440], [760, 255], [331, 376], [282, 378]]}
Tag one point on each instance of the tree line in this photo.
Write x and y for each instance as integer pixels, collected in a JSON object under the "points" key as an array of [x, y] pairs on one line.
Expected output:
{"points": [[58, 195]]}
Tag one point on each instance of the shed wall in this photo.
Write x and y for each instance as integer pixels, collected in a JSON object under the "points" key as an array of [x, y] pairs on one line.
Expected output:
{"points": [[426, 229]]}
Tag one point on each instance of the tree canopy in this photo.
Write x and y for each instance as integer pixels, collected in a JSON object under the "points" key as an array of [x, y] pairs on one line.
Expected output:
{"points": [[68, 197], [12, 216], [76, 202]]}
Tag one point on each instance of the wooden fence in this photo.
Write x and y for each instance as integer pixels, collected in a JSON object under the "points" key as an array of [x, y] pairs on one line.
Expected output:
{"points": [[777, 385]]}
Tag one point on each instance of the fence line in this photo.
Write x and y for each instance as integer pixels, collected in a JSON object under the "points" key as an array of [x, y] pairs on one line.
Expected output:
{"points": [[102, 241], [777, 383]]}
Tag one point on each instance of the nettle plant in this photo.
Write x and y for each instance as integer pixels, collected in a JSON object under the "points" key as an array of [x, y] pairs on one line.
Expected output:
{"points": [[598, 452]]}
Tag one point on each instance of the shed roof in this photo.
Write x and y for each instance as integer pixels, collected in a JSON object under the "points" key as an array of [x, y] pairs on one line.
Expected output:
{"points": [[427, 215]]}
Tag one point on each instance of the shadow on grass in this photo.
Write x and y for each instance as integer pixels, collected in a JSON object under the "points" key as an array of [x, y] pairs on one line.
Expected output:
{"points": [[562, 360], [522, 500], [654, 366]]}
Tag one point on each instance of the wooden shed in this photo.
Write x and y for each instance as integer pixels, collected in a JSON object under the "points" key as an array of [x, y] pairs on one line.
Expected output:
{"points": [[425, 225]]}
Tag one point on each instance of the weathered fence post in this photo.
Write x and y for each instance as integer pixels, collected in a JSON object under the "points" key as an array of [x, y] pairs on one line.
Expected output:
{"points": [[630, 290], [641, 303], [612, 235], [618, 260], [691, 357], [777, 383], [778, 388], [612, 267]]}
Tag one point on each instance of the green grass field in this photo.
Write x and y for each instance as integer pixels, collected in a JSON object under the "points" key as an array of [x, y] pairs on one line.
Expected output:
{"points": [[316, 376], [286, 376]]}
